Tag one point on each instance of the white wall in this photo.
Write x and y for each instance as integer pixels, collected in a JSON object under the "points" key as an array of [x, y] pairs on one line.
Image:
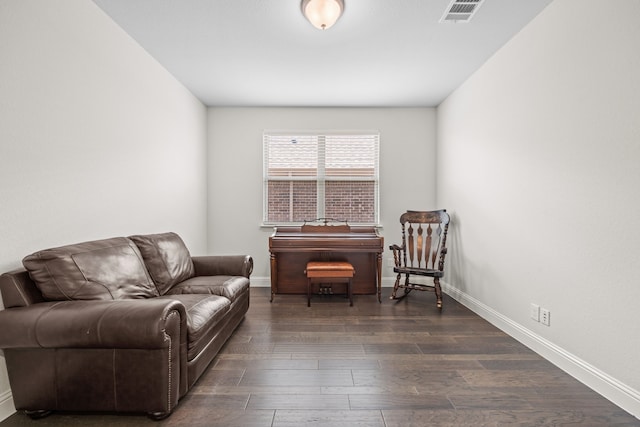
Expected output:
{"points": [[407, 169], [539, 161], [96, 139]]}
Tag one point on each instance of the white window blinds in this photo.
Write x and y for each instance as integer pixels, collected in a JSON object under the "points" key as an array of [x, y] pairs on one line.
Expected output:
{"points": [[310, 175]]}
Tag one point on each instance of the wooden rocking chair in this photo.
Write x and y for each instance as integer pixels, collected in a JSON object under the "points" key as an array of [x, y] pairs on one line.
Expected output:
{"points": [[424, 240]]}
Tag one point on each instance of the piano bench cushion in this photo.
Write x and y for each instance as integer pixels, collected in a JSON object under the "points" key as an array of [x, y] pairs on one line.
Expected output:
{"points": [[225, 286], [318, 269]]}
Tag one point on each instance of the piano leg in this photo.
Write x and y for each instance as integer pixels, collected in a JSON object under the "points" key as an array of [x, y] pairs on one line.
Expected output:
{"points": [[274, 275], [379, 276]]}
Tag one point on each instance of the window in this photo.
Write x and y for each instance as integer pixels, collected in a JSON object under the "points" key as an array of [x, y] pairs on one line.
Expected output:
{"points": [[320, 175]]}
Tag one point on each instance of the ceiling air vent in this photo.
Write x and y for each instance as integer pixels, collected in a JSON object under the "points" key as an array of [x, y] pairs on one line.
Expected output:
{"points": [[461, 10]]}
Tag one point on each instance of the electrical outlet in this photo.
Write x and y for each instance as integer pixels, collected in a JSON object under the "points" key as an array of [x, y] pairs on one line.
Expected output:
{"points": [[535, 312], [545, 316]]}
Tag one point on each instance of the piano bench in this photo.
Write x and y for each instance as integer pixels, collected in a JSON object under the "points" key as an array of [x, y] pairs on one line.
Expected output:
{"points": [[329, 271]]}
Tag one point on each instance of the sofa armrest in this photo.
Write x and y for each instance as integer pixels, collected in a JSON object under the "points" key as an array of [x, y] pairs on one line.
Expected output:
{"points": [[18, 290], [223, 265], [139, 324]]}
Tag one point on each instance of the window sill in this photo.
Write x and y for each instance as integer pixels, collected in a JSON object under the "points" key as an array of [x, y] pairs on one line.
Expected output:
{"points": [[298, 224]]}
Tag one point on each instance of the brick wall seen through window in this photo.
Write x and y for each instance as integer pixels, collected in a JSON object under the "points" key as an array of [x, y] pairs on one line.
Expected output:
{"points": [[324, 175]]}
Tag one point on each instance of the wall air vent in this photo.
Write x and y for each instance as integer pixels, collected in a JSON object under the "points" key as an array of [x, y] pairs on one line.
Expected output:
{"points": [[461, 10]]}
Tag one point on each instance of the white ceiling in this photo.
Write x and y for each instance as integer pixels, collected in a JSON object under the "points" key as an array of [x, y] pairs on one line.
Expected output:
{"points": [[381, 53]]}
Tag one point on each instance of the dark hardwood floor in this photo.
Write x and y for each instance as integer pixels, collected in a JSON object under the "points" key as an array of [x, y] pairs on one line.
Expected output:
{"points": [[394, 364]]}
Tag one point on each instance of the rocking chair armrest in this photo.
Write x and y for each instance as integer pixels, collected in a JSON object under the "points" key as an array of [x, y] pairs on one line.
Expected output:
{"points": [[397, 250], [443, 254]]}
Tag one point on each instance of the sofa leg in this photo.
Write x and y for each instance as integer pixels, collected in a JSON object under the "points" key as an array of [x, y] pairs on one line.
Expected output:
{"points": [[158, 416], [37, 414]]}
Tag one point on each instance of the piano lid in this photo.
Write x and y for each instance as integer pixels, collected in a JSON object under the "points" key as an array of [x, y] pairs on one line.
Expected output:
{"points": [[354, 231], [326, 238]]}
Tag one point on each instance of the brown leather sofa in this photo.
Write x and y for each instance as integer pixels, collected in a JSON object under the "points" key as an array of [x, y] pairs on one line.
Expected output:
{"points": [[126, 324]]}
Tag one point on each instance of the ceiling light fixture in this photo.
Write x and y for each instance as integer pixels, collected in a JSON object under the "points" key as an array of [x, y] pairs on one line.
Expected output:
{"points": [[322, 13]]}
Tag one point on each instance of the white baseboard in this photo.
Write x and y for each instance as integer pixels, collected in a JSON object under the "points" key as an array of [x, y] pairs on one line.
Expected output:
{"points": [[265, 282], [6, 405], [617, 392], [260, 282]]}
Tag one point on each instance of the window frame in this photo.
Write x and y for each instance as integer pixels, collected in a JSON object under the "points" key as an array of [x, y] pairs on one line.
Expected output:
{"points": [[320, 177]]}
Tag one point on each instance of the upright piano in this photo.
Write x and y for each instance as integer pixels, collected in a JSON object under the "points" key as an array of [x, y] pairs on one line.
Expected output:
{"points": [[291, 247]]}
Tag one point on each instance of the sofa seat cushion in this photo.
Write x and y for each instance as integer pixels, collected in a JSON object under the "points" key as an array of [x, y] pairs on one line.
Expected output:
{"points": [[226, 286], [206, 316], [167, 258], [109, 269]]}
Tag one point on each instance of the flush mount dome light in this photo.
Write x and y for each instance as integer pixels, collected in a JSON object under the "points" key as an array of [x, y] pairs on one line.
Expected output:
{"points": [[322, 13]]}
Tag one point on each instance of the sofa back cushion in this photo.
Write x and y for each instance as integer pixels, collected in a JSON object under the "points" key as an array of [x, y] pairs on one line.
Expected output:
{"points": [[110, 269], [167, 258]]}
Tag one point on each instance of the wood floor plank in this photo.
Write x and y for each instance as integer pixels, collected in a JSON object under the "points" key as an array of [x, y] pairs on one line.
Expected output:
{"points": [[462, 346], [229, 364], [495, 418], [214, 416], [256, 389], [348, 364], [432, 365], [406, 348], [293, 377], [230, 377], [299, 401], [333, 349], [310, 418], [388, 389], [485, 399], [429, 380], [400, 401]]}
